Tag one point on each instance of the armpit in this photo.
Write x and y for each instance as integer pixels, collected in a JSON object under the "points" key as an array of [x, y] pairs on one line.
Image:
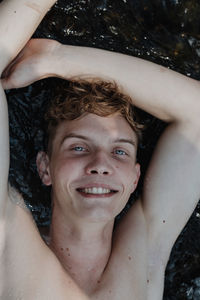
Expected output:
{"points": [[16, 198]]}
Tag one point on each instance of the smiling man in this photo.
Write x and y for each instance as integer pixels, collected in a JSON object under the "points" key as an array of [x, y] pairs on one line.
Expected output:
{"points": [[91, 165], [90, 162], [79, 156]]}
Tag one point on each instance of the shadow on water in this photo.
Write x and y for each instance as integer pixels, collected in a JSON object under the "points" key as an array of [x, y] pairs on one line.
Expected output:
{"points": [[163, 31]]}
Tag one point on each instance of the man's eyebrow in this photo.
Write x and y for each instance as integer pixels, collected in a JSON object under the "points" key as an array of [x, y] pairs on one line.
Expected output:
{"points": [[122, 140], [74, 135]]}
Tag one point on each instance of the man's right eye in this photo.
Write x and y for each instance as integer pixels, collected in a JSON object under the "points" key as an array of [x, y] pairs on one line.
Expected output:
{"points": [[78, 148]]}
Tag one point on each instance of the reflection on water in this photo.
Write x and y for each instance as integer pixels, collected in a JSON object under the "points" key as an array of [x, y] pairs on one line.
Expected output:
{"points": [[163, 31]]}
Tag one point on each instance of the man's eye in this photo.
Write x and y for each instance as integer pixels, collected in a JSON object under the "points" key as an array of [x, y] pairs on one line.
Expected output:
{"points": [[120, 152], [78, 149]]}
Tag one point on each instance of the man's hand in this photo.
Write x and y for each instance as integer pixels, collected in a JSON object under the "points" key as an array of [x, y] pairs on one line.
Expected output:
{"points": [[30, 64], [15, 15]]}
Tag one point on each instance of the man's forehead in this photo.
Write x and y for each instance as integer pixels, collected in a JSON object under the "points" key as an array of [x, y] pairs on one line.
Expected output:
{"points": [[115, 127]]}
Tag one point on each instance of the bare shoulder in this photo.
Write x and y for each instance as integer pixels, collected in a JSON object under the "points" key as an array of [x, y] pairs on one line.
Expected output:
{"points": [[21, 245], [28, 268]]}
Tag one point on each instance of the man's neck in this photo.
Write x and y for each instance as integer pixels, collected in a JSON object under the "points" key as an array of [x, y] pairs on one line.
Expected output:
{"points": [[83, 248]]}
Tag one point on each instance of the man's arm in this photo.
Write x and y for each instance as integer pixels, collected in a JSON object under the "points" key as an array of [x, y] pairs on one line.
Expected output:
{"points": [[14, 14], [4, 151], [165, 94]]}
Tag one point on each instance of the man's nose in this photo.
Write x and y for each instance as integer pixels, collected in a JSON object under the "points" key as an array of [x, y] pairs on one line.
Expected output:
{"points": [[100, 164]]}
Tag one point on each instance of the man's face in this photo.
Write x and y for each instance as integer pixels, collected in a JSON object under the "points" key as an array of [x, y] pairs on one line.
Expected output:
{"points": [[93, 167]]}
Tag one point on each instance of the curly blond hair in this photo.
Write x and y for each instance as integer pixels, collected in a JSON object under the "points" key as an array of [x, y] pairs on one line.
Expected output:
{"points": [[94, 96]]}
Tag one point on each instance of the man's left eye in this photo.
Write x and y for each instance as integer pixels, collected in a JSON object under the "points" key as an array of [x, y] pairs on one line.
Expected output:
{"points": [[120, 152]]}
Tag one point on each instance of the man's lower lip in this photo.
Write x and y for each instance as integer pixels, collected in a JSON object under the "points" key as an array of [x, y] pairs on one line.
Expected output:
{"points": [[87, 195]]}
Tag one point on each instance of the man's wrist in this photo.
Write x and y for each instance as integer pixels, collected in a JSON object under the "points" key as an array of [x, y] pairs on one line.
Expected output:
{"points": [[72, 62]]}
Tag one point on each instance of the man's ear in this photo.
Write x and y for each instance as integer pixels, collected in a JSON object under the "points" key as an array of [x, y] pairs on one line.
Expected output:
{"points": [[137, 169], [42, 162]]}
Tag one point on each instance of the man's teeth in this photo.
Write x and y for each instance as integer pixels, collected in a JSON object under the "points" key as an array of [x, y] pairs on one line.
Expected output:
{"points": [[96, 190]]}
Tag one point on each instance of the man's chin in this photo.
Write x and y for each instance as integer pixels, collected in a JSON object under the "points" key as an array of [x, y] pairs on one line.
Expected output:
{"points": [[96, 209]]}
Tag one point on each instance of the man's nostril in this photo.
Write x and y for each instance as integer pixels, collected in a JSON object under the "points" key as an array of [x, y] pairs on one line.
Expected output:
{"points": [[93, 172]]}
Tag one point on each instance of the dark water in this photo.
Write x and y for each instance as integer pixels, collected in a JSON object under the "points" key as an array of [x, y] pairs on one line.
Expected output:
{"points": [[163, 31]]}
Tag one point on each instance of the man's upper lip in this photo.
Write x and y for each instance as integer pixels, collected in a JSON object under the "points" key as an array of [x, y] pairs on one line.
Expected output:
{"points": [[98, 185]]}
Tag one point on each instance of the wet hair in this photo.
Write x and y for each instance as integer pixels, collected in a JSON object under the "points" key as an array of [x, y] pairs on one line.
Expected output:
{"points": [[95, 96]]}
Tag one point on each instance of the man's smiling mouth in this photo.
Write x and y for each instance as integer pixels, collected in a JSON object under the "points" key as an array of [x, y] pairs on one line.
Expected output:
{"points": [[96, 191]]}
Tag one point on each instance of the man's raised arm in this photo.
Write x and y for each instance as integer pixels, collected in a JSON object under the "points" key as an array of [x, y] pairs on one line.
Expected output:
{"points": [[18, 21], [163, 93]]}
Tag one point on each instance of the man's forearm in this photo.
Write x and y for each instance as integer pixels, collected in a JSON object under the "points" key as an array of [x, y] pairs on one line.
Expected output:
{"points": [[165, 94], [18, 21]]}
